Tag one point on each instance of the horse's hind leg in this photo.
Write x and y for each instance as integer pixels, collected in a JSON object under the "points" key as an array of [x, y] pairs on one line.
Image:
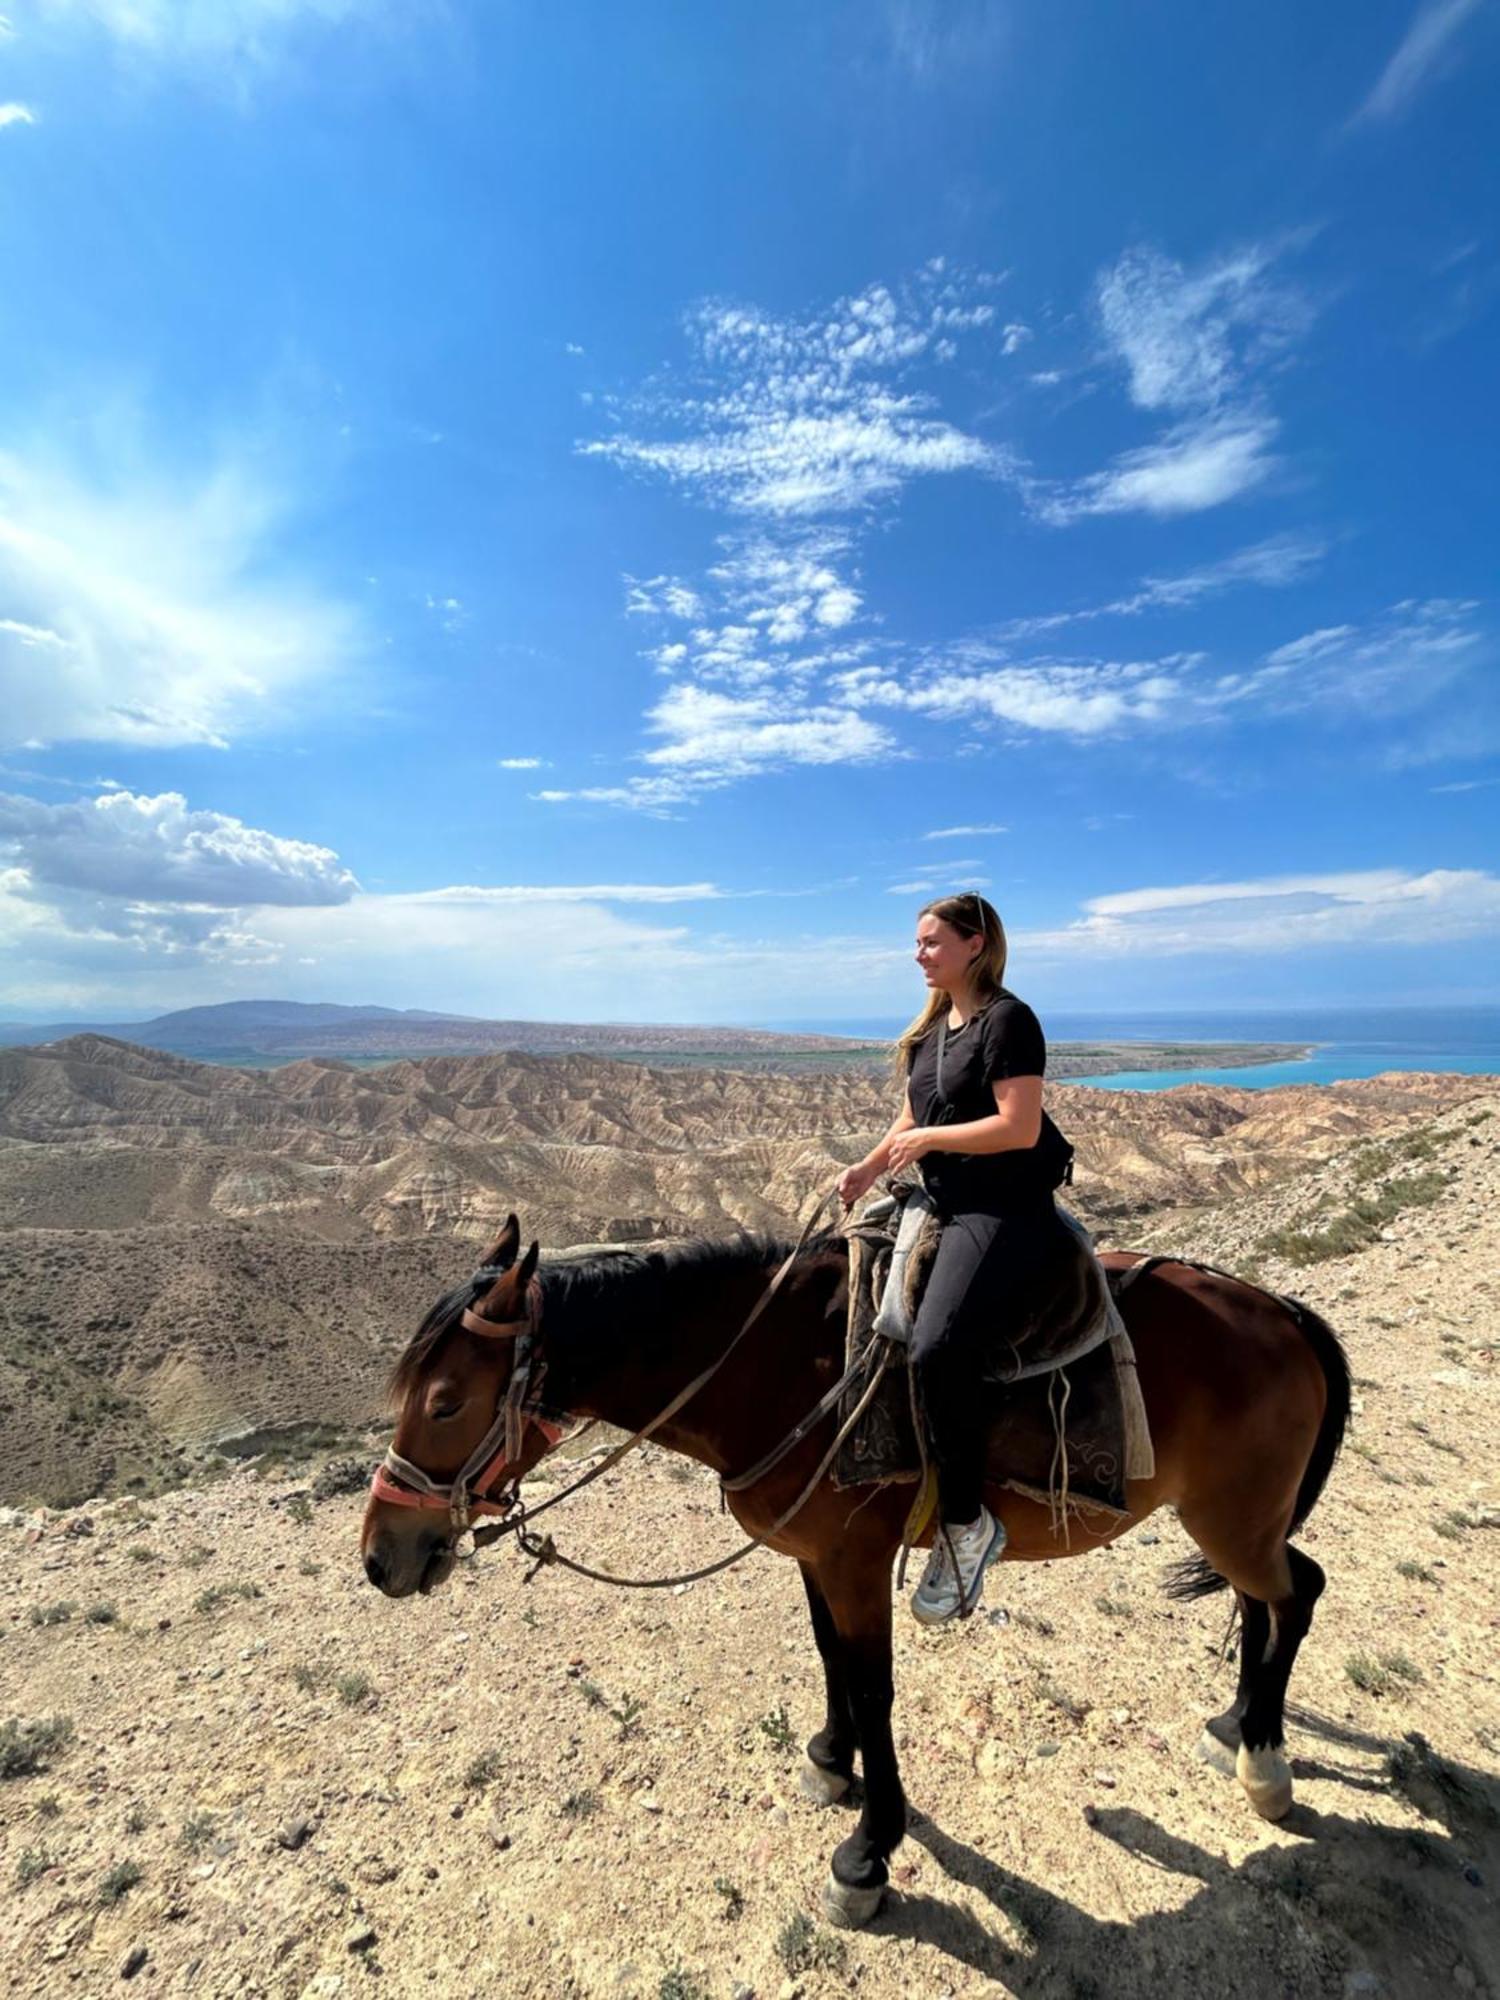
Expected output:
{"points": [[829, 1768], [1261, 1765], [1221, 1733], [1278, 1587]]}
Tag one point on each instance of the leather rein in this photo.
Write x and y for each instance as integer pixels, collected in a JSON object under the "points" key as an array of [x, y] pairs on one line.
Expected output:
{"points": [[487, 1482]]}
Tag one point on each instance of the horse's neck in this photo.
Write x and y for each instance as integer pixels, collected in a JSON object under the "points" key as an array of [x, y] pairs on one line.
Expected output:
{"points": [[699, 1311]]}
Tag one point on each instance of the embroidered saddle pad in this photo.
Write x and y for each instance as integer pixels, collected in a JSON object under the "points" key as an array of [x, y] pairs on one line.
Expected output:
{"points": [[1069, 1424]]}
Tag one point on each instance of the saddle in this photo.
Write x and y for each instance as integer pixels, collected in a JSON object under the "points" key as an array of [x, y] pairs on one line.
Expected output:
{"points": [[1069, 1425]]}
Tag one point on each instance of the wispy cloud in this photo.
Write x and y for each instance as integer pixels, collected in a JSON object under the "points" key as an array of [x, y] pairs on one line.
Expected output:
{"points": [[1287, 913], [16, 114], [963, 832], [787, 418], [1466, 785], [1196, 465], [1425, 51], [521, 763], [147, 609], [1050, 697], [1275, 563], [1192, 343]]}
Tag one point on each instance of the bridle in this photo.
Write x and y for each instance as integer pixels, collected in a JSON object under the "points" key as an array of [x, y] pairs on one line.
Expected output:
{"points": [[478, 1486]]}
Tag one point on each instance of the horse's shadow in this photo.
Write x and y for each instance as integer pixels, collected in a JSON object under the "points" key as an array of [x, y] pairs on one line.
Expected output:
{"points": [[1349, 1906]]}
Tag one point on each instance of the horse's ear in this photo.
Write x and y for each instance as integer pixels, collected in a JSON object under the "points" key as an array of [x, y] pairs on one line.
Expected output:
{"points": [[506, 1298], [503, 1250]]}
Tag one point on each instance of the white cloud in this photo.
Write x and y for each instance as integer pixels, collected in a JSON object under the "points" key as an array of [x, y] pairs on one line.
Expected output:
{"points": [[1277, 562], [801, 417], [1195, 466], [156, 604], [963, 832], [1396, 663], [1194, 343], [716, 737], [1015, 337], [1049, 697], [1423, 50], [16, 114], [1187, 339], [912, 889], [1369, 908], [521, 763], [158, 850]]}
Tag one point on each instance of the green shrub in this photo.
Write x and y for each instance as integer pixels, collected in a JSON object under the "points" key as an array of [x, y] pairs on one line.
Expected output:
{"points": [[119, 1881], [340, 1475], [28, 1747], [53, 1614]]}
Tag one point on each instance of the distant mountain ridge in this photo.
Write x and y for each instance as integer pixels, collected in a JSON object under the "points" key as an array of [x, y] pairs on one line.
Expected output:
{"points": [[292, 1028]]}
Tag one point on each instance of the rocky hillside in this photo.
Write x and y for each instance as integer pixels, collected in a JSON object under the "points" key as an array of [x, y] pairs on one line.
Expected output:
{"points": [[229, 1767], [190, 1253]]}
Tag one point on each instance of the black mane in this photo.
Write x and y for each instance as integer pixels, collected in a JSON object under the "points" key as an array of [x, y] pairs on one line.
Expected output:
{"points": [[581, 1297]]}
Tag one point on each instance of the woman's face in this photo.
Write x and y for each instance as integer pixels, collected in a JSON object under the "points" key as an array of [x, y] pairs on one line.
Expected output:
{"points": [[945, 955]]}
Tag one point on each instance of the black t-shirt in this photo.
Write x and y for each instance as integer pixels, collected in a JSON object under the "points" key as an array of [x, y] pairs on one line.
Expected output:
{"points": [[1003, 1039]]}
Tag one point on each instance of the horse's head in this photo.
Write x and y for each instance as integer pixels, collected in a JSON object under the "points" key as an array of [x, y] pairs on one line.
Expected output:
{"points": [[463, 1431]]}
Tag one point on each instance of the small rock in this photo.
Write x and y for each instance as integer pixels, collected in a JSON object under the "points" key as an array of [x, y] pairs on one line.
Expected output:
{"points": [[498, 1836], [999, 1616], [81, 1524], [1105, 1778], [650, 1805], [134, 1959], [1472, 1876], [1363, 1981], [742, 1992], [789, 1990], [430, 1872], [1463, 1979], [293, 1833], [1048, 1749], [1147, 1540], [455, 1812], [361, 1938]]}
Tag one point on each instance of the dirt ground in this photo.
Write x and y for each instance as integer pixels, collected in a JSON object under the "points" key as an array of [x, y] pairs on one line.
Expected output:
{"points": [[279, 1783]]}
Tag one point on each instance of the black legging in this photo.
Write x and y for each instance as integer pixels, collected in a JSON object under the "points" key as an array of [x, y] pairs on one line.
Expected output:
{"points": [[988, 1273]]}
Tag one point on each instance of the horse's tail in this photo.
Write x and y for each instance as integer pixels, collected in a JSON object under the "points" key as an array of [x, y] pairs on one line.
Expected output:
{"points": [[1195, 1576]]}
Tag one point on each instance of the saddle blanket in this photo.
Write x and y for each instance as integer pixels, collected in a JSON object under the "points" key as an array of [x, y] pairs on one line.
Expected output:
{"points": [[1069, 1423]]}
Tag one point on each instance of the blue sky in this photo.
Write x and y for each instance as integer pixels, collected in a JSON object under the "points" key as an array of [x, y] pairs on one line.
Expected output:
{"points": [[598, 512]]}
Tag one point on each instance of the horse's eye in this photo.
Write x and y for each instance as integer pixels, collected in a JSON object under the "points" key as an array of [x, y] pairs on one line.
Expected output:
{"points": [[441, 1412]]}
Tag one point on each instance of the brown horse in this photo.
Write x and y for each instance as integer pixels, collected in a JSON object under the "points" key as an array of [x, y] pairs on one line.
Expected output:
{"points": [[1247, 1395]]}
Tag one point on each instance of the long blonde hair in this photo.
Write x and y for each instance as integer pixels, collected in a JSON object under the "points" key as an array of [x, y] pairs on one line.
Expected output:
{"points": [[971, 916]]}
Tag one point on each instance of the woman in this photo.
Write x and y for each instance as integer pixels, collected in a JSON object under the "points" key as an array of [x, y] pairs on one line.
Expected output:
{"points": [[989, 1158]]}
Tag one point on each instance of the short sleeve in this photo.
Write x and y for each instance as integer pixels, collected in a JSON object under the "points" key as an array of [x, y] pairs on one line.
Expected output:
{"points": [[1013, 1042]]}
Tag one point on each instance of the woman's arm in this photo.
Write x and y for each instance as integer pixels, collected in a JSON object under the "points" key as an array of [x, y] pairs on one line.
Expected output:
{"points": [[861, 1177], [879, 1157], [1016, 1125], [1017, 1122]]}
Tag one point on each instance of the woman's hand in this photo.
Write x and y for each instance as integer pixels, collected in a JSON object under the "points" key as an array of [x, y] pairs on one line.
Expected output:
{"points": [[856, 1181], [910, 1146]]}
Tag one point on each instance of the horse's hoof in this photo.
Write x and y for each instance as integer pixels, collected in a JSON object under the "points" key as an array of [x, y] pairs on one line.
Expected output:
{"points": [[1217, 1754], [822, 1788], [1267, 1779], [850, 1909]]}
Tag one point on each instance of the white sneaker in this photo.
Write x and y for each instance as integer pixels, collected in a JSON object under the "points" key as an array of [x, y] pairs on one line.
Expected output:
{"points": [[941, 1594]]}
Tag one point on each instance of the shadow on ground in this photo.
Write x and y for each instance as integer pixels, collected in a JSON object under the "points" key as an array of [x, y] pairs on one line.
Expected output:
{"points": [[1337, 1904]]}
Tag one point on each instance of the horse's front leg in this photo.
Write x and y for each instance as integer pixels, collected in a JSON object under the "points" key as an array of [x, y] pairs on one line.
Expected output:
{"points": [[829, 1768], [858, 1597]]}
